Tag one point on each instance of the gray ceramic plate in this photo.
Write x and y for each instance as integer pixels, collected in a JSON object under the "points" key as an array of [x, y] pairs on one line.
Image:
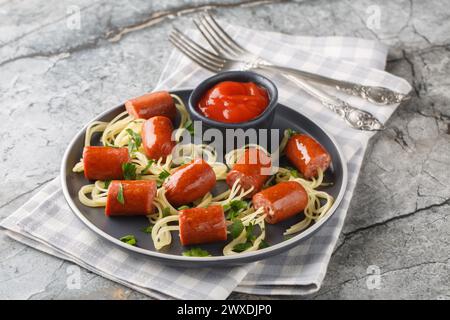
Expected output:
{"points": [[114, 228]]}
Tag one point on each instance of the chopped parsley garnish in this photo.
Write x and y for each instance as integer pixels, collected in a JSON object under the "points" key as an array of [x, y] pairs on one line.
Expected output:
{"points": [[196, 252], [236, 228], [234, 208], [162, 176], [120, 197], [129, 239], [135, 141], [290, 132], [183, 208], [240, 247], [263, 244], [293, 172], [107, 183], [129, 171], [249, 231], [190, 127], [147, 229]]}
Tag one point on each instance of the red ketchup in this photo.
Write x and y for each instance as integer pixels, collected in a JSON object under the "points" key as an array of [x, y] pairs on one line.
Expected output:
{"points": [[234, 102]]}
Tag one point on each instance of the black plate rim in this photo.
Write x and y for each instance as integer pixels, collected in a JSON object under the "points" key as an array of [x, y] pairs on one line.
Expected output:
{"points": [[180, 260]]}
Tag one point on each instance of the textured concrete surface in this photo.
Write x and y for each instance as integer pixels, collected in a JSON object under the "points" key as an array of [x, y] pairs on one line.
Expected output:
{"points": [[54, 79]]}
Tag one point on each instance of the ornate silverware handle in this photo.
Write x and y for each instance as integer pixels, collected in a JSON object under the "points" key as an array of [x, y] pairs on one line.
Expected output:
{"points": [[377, 95], [356, 118]]}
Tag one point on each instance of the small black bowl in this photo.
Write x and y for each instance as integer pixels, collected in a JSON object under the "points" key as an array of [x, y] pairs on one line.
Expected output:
{"points": [[263, 121]]}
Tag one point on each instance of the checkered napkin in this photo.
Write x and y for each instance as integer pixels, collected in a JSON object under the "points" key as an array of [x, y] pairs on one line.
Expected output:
{"points": [[45, 222]]}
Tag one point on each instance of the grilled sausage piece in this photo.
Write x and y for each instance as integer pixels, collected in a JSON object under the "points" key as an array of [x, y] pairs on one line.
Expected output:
{"points": [[104, 163], [189, 182], [153, 104], [137, 196], [307, 155], [281, 201], [156, 137], [202, 225], [252, 168]]}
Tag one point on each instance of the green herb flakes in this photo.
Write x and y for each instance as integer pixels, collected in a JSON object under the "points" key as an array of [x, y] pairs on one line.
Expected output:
{"points": [[196, 252], [129, 171], [120, 196], [129, 239]]}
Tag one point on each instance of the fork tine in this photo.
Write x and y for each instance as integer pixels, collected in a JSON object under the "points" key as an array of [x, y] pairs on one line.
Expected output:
{"points": [[195, 46], [192, 56], [219, 64], [221, 32], [210, 36]]}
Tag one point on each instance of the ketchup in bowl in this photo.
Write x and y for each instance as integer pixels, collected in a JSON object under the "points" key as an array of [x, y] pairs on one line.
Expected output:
{"points": [[234, 102]]}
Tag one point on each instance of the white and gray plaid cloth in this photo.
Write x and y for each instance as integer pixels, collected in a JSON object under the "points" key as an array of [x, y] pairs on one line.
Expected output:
{"points": [[46, 222]]}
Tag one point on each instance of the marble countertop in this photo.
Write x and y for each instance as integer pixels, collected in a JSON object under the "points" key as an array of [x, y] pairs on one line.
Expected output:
{"points": [[54, 77]]}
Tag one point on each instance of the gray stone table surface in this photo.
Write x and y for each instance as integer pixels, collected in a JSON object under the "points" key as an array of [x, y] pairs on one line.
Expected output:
{"points": [[54, 78]]}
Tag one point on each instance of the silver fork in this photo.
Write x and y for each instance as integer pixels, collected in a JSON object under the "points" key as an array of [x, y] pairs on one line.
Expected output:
{"points": [[219, 39], [356, 118]]}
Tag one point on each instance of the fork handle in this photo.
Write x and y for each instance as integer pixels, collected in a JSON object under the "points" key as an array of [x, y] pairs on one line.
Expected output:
{"points": [[374, 94], [356, 118]]}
